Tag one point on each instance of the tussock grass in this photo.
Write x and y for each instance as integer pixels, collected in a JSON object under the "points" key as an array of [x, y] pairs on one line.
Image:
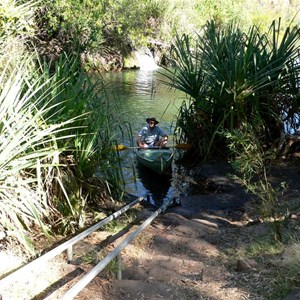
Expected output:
{"points": [[266, 246], [290, 261]]}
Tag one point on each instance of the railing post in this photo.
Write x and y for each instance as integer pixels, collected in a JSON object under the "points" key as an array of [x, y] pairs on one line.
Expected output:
{"points": [[119, 265], [70, 254]]}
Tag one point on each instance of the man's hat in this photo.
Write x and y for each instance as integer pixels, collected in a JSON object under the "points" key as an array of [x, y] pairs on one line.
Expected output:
{"points": [[152, 119]]}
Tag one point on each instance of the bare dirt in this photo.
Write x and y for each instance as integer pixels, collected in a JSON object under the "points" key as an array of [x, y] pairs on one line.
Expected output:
{"points": [[195, 250]]}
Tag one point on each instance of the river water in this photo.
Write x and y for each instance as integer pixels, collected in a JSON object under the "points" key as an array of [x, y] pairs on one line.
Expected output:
{"points": [[140, 94]]}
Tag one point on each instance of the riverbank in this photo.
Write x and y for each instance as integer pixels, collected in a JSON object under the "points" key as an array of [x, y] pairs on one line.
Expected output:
{"points": [[212, 246]]}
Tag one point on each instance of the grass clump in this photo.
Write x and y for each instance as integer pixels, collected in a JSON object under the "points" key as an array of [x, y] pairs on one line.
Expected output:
{"points": [[123, 221], [291, 261], [264, 246], [286, 271]]}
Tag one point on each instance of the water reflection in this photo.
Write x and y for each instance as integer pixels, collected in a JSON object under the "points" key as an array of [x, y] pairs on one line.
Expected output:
{"points": [[156, 186], [145, 83], [141, 181]]}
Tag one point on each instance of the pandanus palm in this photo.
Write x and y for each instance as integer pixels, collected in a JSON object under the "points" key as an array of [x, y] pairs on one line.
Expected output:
{"points": [[234, 77]]}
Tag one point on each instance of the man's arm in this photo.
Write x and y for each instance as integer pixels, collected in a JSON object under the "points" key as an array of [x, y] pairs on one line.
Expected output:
{"points": [[139, 141], [164, 137], [163, 134]]}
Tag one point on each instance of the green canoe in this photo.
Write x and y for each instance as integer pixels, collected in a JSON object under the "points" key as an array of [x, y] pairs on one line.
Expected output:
{"points": [[156, 159]]}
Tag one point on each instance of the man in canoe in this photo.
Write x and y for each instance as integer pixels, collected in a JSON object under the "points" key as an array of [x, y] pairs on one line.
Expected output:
{"points": [[152, 135]]}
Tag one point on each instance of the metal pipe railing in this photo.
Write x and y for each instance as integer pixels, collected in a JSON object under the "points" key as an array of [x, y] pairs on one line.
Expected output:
{"points": [[67, 245], [85, 280]]}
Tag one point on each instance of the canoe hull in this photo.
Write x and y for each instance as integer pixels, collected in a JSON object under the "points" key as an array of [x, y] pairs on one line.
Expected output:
{"points": [[157, 160]]}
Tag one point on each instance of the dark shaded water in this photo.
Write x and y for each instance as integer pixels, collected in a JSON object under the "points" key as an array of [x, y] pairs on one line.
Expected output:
{"points": [[140, 94]]}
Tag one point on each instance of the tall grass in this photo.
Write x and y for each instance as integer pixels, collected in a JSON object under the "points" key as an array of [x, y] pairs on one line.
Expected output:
{"points": [[81, 97], [251, 164], [28, 145], [16, 29], [57, 133]]}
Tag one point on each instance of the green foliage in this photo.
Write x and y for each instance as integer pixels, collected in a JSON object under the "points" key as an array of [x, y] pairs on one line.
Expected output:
{"points": [[234, 77], [116, 226], [48, 166], [73, 25], [28, 147], [16, 20], [17, 27], [263, 246], [77, 25], [130, 23], [161, 20], [251, 164], [88, 151], [57, 132], [86, 25]]}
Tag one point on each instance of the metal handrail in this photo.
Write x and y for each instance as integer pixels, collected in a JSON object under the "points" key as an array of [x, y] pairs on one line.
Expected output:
{"points": [[66, 245], [85, 280]]}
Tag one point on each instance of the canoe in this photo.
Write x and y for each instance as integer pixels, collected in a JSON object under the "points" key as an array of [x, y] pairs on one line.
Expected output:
{"points": [[156, 159]]}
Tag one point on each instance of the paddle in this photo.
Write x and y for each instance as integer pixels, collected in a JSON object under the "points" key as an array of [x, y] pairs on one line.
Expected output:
{"points": [[177, 146]]}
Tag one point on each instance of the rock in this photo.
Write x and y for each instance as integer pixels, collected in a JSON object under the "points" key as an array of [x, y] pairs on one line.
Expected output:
{"points": [[245, 265], [260, 229], [295, 295]]}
